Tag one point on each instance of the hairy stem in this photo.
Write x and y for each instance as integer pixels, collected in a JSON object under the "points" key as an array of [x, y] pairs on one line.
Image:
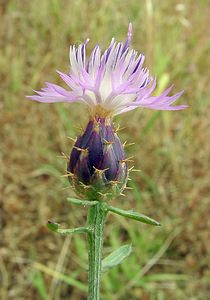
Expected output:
{"points": [[96, 218]]}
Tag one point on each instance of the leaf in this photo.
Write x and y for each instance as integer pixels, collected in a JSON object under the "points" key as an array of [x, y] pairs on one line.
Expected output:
{"points": [[53, 226], [116, 257], [56, 228], [38, 282], [133, 215]]}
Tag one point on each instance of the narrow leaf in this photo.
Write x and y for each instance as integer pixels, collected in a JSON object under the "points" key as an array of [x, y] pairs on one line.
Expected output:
{"points": [[56, 228], [133, 215], [38, 282], [116, 257]]}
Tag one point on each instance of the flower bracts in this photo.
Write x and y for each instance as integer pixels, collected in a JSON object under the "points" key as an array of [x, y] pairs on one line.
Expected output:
{"points": [[98, 168]]}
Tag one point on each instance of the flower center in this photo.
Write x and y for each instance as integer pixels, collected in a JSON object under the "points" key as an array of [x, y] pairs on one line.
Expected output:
{"points": [[99, 111]]}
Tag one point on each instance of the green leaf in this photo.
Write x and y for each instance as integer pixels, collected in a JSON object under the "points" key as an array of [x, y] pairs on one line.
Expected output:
{"points": [[116, 257], [53, 226], [133, 215], [56, 228], [38, 282]]}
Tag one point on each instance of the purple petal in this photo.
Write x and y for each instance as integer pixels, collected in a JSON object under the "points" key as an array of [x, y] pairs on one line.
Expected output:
{"points": [[54, 93], [128, 41]]}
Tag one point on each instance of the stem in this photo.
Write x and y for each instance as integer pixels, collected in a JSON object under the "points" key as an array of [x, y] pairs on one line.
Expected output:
{"points": [[96, 218]]}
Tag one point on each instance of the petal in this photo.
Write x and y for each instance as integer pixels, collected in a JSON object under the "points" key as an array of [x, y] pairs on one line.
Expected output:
{"points": [[54, 93], [128, 41], [69, 81]]}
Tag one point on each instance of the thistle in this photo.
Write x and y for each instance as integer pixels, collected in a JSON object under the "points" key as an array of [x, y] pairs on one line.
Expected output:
{"points": [[108, 84], [97, 168]]}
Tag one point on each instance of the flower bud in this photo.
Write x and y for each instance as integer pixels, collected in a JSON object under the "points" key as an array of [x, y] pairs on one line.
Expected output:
{"points": [[97, 167]]}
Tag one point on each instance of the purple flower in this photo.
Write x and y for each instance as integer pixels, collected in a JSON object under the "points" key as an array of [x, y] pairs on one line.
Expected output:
{"points": [[109, 83]]}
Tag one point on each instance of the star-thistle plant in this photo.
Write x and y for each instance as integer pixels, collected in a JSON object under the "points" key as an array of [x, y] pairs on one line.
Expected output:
{"points": [[108, 84]]}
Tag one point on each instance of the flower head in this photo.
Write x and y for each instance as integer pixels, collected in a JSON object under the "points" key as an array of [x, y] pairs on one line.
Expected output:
{"points": [[109, 83], [97, 167]]}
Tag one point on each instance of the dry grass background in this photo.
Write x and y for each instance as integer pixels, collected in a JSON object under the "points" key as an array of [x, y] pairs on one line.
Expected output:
{"points": [[172, 149]]}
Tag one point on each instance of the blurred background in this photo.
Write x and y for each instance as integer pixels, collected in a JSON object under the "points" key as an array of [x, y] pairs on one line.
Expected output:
{"points": [[171, 148]]}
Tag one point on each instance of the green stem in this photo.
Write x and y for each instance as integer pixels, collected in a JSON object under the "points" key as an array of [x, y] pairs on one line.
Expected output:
{"points": [[96, 218]]}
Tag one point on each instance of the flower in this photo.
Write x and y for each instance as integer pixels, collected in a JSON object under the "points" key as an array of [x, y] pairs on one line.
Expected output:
{"points": [[110, 83]]}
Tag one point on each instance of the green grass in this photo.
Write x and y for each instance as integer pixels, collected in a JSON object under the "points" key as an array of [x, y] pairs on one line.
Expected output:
{"points": [[171, 149]]}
